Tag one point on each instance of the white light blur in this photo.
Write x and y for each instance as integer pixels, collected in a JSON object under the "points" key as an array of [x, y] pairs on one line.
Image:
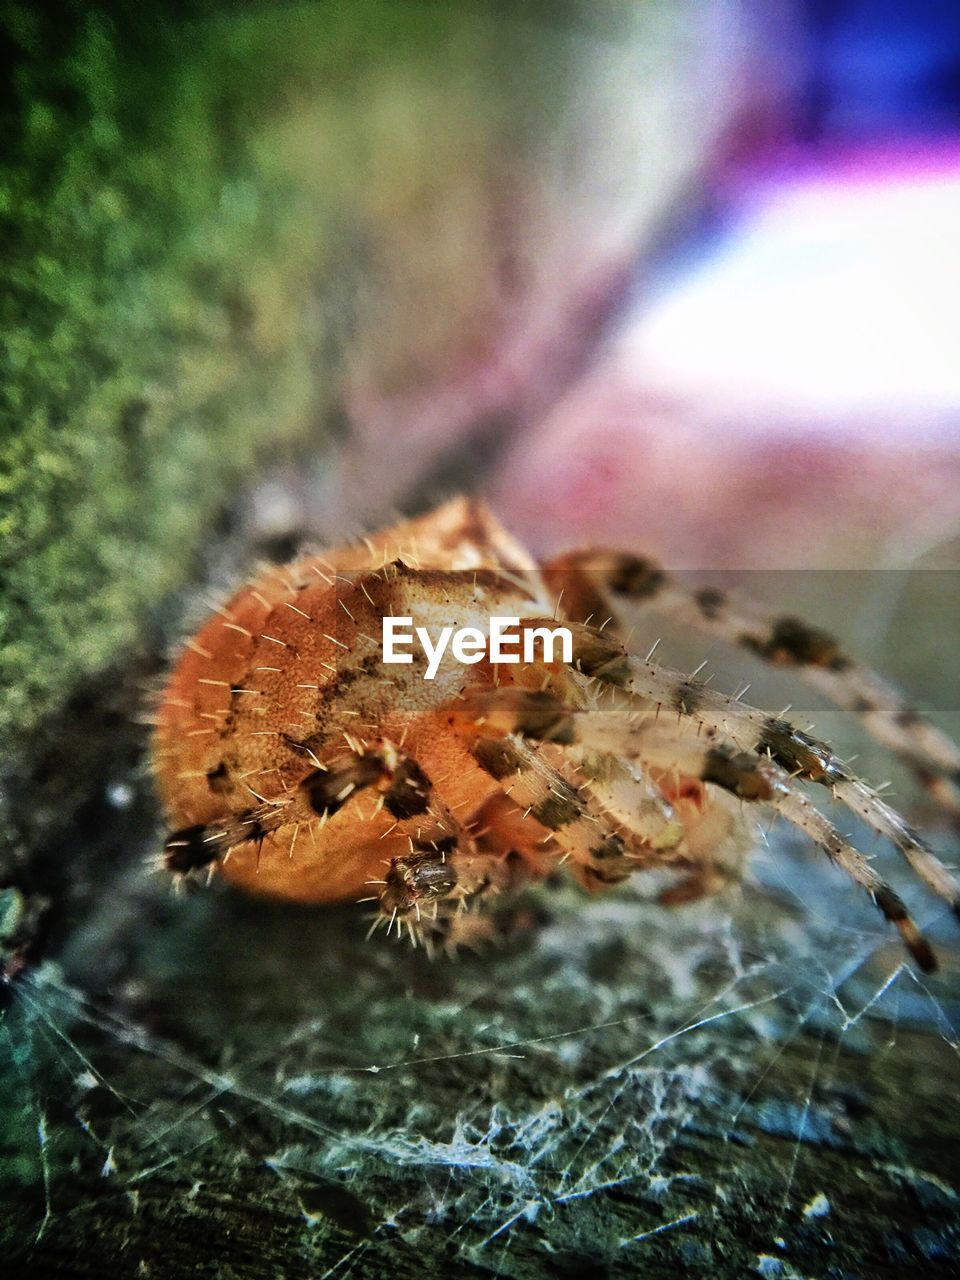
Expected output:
{"points": [[835, 296]]}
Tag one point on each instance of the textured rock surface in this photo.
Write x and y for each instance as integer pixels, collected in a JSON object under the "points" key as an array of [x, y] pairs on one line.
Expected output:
{"points": [[250, 1090]]}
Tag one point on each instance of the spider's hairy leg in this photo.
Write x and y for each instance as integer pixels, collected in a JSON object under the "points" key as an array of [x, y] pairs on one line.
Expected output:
{"points": [[658, 689], [757, 780], [321, 794], [749, 776], [597, 583], [564, 804], [628, 797], [423, 891], [432, 892], [418, 887], [709, 842]]}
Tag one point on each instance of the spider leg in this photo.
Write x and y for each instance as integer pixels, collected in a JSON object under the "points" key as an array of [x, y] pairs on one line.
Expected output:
{"points": [[628, 797], [566, 804], [758, 780], [600, 655], [543, 814], [745, 774], [321, 794], [424, 892], [709, 842], [593, 580], [433, 892]]}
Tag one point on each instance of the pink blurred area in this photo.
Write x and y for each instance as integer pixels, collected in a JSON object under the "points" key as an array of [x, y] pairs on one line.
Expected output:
{"points": [[788, 398], [491, 279]]}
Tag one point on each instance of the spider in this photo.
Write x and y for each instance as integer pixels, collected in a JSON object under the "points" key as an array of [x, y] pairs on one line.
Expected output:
{"points": [[292, 760]]}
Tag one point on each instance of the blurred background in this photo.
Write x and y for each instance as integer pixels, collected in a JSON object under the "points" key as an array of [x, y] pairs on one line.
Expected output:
{"points": [[708, 305], [680, 275]]}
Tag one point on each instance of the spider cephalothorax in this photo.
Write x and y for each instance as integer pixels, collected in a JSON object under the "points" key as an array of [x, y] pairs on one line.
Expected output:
{"points": [[292, 758]]}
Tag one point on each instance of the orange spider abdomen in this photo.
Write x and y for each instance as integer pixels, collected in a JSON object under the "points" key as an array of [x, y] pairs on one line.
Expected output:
{"points": [[285, 678]]}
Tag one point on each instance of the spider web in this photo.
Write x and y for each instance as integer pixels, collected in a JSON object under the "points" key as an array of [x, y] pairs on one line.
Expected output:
{"points": [[755, 1085]]}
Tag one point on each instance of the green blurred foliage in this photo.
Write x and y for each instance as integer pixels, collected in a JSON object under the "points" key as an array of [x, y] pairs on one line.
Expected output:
{"points": [[169, 181]]}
